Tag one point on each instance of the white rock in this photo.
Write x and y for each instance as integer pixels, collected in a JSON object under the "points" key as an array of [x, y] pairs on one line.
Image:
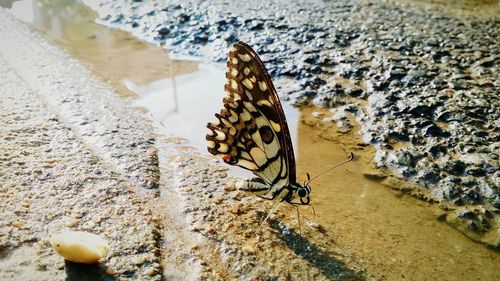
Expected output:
{"points": [[80, 247]]}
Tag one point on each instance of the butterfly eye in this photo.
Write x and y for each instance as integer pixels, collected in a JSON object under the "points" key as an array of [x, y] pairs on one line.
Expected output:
{"points": [[302, 192]]}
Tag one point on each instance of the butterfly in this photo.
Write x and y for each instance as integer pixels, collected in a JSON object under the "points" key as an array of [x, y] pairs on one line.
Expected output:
{"points": [[251, 130]]}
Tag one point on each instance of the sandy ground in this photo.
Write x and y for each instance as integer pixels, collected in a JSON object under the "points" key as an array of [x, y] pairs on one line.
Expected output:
{"points": [[420, 78], [69, 161], [74, 156]]}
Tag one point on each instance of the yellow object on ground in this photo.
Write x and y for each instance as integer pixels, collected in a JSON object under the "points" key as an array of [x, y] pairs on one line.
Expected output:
{"points": [[78, 246]]}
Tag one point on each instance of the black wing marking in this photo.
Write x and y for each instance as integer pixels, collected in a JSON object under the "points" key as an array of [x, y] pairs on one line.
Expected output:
{"points": [[251, 129]]}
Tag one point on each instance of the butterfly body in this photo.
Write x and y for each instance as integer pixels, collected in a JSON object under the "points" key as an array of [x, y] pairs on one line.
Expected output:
{"points": [[251, 129]]}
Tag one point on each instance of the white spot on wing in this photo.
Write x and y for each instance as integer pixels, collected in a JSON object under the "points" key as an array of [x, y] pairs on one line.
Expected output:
{"points": [[262, 86], [249, 106], [234, 85], [258, 140], [245, 115], [220, 135], [245, 155], [234, 117], [261, 121], [259, 157], [264, 102], [245, 57], [227, 123], [223, 148], [249, 95], [232, 131], [210, 144], [276, 127], [247, 164], [247, 83]]}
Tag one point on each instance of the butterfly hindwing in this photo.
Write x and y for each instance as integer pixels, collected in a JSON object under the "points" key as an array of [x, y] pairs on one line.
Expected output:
{"points": [[251, 129]]}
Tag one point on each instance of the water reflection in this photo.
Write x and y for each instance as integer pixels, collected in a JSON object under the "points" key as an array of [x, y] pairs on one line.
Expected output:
{"points": [[185, 103], [393, 234], [23, 10], [111, 54]]}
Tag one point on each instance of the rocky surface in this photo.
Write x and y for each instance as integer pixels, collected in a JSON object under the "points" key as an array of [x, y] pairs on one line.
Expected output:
{"points": [[74, 156], [422, 80], [60, 132]]}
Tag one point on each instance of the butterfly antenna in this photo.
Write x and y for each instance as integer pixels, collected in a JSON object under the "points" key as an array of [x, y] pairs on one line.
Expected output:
{"points": [[331, 168]]}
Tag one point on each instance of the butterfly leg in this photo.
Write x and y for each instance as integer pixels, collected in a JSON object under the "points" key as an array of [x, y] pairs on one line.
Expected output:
{"points": [[270, 213], [298, 218]]}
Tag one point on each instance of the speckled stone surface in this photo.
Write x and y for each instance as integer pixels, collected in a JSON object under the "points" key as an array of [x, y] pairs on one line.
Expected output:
{"points": [[57, 148], [421, 80], [75, 156]]}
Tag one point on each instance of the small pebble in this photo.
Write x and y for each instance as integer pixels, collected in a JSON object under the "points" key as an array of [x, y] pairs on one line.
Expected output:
{"points": [[79, 246], [248, 249]]}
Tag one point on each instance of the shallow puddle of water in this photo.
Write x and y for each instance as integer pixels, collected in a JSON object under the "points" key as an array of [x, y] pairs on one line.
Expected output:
{"points": [[393, 235], [111, 54], [183, 105]]}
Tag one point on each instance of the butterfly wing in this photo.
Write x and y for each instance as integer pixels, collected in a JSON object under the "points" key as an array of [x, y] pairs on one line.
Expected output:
{"points": [[251, 129]]}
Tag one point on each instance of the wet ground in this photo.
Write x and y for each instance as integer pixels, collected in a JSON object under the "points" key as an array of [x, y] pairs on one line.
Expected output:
{"points": [[358, 223], [421, 79]]}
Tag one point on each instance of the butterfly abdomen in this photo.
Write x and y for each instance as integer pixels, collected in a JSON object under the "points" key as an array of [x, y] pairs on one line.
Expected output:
{"points": [[260, 188]]}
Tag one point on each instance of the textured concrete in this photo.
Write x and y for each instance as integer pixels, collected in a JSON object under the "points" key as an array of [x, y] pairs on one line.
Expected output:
{"points": [[74, 156], [69, 161], [421, 79]]}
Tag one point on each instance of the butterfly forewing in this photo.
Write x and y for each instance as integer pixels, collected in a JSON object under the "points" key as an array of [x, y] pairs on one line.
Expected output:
{"points": [[251, 129]]}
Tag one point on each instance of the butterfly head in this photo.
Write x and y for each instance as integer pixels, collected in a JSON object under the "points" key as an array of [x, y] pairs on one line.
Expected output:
{"points": [[303, 191]]}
